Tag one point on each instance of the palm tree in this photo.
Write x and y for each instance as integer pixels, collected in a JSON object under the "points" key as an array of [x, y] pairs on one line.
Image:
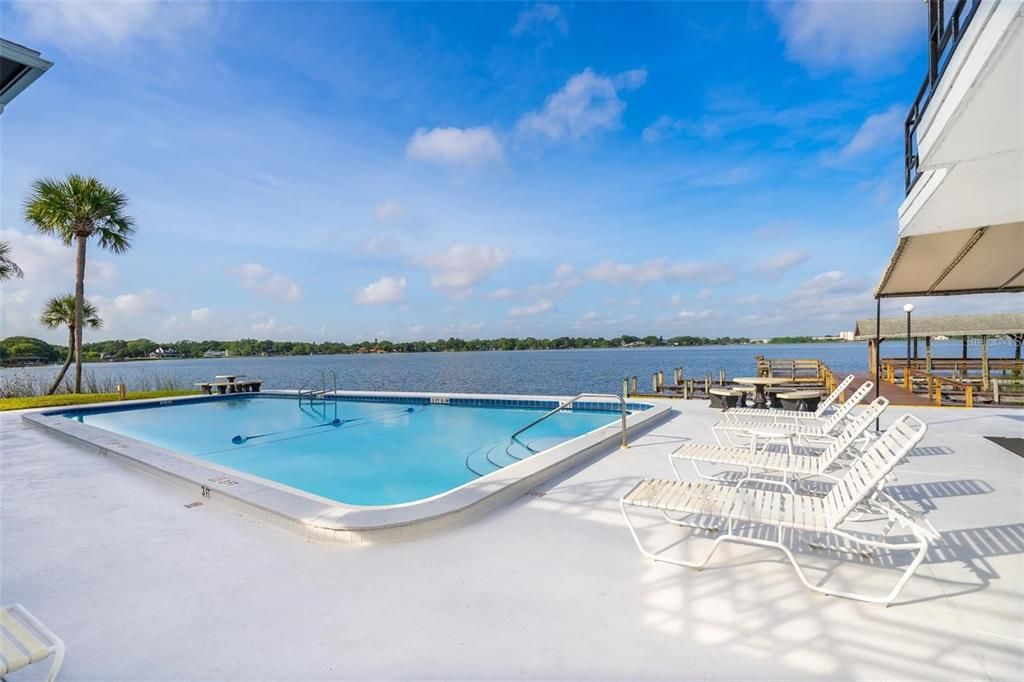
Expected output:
{"points": [[8, 268], [75, 210], [60, 312]]}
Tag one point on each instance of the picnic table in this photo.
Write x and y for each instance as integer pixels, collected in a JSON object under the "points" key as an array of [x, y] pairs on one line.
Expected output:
{"points": [[759, 384], [229, 383]]}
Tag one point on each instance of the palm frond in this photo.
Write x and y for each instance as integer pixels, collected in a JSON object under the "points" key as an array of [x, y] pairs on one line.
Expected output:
{"points": [[80, 206], [8, 268], [59, 311]]}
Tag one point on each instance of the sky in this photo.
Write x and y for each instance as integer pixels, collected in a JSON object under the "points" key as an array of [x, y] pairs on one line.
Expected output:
{"points": [[347, 171]]}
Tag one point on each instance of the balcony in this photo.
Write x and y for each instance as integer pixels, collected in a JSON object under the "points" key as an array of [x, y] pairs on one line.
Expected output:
{"points": [[962, 221]]}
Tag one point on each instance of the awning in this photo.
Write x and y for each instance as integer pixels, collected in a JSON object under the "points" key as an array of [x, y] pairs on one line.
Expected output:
{"points": [[972, 261], [986, 324]]}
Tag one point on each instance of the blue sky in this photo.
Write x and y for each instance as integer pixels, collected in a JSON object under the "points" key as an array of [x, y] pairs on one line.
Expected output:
{"points": [[340, 171]]}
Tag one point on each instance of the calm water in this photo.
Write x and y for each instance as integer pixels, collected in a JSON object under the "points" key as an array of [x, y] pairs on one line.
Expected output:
{"points": [[359, 453], [559, 372]]}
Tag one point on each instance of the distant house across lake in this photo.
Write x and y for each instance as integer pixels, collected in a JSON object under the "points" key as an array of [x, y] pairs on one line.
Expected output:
{"points": [[164, 353]]}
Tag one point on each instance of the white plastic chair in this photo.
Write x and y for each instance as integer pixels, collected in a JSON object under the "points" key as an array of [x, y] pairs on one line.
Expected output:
{"points": [[758, 456], [747, 413], [798, 513], [814, 431], [24, 641]]}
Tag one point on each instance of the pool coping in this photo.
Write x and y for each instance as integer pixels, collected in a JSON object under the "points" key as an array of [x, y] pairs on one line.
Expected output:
{"points": [[321, 519]]}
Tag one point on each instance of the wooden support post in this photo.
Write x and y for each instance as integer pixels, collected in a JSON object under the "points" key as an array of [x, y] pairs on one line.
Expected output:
{"points": [[995, 391], [964, 355], [661, 380], [654, 383], [928, 354], [915, 348], [986, 376], [707, 385], [625, 387]]}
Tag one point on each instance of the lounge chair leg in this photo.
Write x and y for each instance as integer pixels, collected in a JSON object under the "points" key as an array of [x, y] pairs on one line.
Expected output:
{"points": [[656, 556]]}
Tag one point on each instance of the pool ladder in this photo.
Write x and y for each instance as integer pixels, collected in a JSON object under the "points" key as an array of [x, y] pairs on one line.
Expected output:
{"points": [[316, 398], [569, 403]]}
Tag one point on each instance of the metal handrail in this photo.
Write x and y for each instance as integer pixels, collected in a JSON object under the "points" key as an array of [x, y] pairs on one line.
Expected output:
{"points": [[569, 402], [307, 387]]}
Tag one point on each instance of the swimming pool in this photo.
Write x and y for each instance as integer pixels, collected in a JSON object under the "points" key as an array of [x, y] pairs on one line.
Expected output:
{"points": [[356, 452], [356, 467]]}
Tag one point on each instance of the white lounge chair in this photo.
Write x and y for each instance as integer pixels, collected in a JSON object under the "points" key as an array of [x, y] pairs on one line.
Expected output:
{"points": [[745, 413], [812, 431], [24, 641], [758, 456], [799, 514]]}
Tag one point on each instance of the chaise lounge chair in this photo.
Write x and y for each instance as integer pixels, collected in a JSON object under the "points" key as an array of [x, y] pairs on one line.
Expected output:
{"points": [[813, 431], [745, 413], [799, 514], [24, 641], [757, 456]]}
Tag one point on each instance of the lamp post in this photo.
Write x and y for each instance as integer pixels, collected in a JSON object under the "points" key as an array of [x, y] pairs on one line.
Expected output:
{"points": [[908, 308]]}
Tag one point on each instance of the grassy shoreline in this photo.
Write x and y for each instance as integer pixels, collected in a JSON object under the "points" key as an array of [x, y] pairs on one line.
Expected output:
{"points": [[66, 399]]}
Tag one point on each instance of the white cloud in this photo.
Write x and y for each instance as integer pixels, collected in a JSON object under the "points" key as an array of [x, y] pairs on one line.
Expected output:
{"points": [[201, 314], [461, 267], [864, 37], [780, 262], [751, 299], [831, 282], [381, 246], [136, 303], [45, 260], [467, 147], [260, 278], [104, 25], [384, 290], [49, 269], [536, 18], [588, 104], [657, 270], [704, 294], [878, 130], [386, 210], [695, 314], [564, 280], [666, 126], [539, 308], [502, 294]]}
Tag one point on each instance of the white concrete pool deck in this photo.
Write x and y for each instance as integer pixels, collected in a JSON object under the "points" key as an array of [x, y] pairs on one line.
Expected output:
{"points": [[141, 587]]}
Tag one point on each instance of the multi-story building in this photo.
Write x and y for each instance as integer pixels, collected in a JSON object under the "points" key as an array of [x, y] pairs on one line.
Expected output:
{"points": [[961, 226]]}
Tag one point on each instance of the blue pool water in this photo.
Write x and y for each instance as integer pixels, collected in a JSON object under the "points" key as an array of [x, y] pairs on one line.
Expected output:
{"points": [[361, 453]]}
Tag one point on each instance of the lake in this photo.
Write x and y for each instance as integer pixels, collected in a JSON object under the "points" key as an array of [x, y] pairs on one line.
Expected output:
{"points": [[560, 372]]}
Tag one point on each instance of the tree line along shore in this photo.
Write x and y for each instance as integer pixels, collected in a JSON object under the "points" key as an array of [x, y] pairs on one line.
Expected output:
{"points": [[29, 350]]}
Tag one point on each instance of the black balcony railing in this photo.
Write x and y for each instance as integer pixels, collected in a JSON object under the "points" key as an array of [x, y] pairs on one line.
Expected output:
{"points": [[943, 37]]}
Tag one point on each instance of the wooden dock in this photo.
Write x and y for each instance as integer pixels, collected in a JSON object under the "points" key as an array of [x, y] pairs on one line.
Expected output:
{"points": [[895, 393]]}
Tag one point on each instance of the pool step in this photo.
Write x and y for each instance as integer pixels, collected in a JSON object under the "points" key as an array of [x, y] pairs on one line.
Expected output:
{"points": [[477, 460], [494, 456]]}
